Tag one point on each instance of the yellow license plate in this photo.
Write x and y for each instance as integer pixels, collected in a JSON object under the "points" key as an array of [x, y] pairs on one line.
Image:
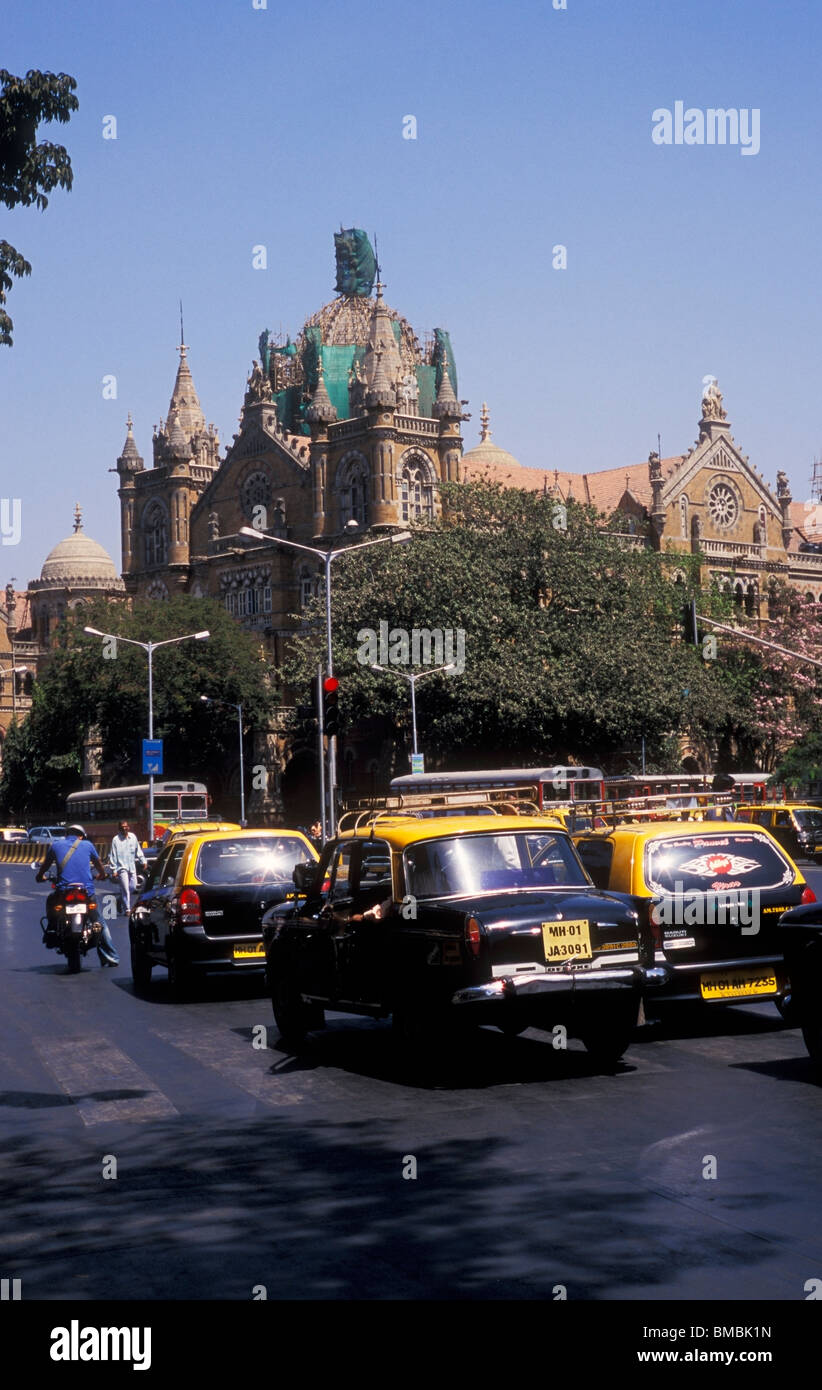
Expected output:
{"points": [[566, 941], [250, 952], [738, 984]]}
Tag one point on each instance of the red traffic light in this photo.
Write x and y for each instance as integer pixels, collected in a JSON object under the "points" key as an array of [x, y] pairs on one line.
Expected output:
{"points": [[330, 684]]}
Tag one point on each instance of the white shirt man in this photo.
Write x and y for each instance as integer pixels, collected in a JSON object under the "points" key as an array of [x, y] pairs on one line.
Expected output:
{"points": [[124, 856]]}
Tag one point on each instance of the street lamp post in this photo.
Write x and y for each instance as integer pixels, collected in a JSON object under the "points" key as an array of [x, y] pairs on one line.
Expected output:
{"points": [[326, 557], [412, 678], [229, 704], [150, 648]]}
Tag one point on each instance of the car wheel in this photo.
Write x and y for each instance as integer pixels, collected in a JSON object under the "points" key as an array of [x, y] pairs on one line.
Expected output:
{"points": [[179, 976], [607, 1035], [786, 1005], [292, 1015], [141, 967], [812, 1034]]}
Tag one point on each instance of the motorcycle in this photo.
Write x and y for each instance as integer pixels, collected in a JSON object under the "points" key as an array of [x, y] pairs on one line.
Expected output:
{"points": [[70, 926]]}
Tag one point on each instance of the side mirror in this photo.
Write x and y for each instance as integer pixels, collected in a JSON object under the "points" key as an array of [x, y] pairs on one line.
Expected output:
{"points": [[304, 875]]}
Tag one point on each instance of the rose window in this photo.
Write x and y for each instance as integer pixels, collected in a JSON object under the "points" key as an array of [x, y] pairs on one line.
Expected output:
{"points": [[723, 506], [256, 492]]}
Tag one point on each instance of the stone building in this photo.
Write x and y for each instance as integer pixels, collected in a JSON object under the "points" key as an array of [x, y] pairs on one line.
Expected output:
{"points": [[710, 502]]}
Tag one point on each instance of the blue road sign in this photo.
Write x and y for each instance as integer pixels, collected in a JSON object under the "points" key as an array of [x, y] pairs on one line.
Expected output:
{"points": [[417, 763], [152, 757]]}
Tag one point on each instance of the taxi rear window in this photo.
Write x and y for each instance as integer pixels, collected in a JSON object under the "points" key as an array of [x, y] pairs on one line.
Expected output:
{"points": [[250, 859], [710, 863]]}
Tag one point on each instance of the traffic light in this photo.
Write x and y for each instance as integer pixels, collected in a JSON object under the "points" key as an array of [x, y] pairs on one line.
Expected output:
{"points": [[689, 623], [331, 711]]}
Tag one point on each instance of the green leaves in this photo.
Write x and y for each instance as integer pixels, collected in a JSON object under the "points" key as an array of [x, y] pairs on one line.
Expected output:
{"points": [[29, 171]]}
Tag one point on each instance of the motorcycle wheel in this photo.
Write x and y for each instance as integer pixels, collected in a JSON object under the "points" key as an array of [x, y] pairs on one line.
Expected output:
{"points": [[72, 949]]}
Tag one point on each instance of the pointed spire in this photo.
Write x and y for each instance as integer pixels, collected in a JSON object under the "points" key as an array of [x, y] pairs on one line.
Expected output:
{"points": [[382, 362], [380, 392], [446, 406], [321, 409], [78, 517], [184, 399], [178, 445], [130, 451], [485, 419]]}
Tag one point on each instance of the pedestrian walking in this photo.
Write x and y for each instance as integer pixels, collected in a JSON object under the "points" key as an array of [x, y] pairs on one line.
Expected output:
{"points": [[124, 856]]}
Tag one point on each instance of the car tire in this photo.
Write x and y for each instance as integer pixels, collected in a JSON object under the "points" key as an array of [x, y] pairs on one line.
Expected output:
{"points": [[179, 976], [141, 967], [608, 1036], [812, 1034], [787, 1008], [292, 1015]]}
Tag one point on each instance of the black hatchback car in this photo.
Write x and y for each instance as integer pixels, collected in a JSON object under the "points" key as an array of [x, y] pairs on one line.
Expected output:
{"points": [[440, 922], [201, 908]]}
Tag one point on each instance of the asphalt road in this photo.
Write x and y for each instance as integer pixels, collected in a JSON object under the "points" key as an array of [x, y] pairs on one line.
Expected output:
{"points": [[238, 1166]]}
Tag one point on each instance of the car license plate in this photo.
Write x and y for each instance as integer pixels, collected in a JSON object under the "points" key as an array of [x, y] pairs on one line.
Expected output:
{"points": [[566, 941], [738, 984], [256, 952], [71, 908]]}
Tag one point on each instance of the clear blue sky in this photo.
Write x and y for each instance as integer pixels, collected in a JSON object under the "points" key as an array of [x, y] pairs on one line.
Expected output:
{"points": [[239, 126]]}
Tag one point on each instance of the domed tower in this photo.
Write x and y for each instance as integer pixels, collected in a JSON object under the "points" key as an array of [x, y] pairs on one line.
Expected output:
{"points": [[381, 409], [76, 570]]}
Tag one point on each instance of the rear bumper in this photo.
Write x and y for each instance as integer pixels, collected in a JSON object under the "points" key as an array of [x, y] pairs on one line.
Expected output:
{"points": [[683, 982], [557, 986]]}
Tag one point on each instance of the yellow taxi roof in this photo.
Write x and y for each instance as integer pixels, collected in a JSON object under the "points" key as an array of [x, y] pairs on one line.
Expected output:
{"points": [[403, 830], [674, 829], [273, 832]]}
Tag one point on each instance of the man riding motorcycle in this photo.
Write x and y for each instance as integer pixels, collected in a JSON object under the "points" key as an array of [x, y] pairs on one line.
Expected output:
{"points": [[76, 861]]}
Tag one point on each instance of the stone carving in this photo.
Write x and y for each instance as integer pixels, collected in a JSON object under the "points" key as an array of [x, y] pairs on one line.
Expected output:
{"points": [[783, 487], [712, 403], [213, 526], [259, 387]]}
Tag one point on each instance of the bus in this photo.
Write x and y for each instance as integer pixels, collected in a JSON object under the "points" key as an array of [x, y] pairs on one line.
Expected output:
{"points": [[101, 811], [541, 785]]}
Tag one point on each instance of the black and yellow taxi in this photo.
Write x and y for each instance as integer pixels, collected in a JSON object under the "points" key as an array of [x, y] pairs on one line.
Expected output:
{"points": [[444, 922], [796, 825], [713, 893], [201, 907]]}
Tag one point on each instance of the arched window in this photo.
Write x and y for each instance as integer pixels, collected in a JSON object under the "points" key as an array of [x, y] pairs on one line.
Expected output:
{"points": [[751, 597], [155, 531], [352, 485], [416, 489]]}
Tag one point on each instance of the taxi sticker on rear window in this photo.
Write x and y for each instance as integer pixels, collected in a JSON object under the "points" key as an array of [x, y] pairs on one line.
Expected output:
{"points": [[713, 865]]}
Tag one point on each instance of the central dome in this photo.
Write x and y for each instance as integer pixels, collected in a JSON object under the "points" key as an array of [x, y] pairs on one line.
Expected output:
{"points": [[77, 560], [345, 322]]}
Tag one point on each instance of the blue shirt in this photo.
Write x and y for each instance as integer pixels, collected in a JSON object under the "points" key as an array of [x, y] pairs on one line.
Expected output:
{"points": [[78, 868]]}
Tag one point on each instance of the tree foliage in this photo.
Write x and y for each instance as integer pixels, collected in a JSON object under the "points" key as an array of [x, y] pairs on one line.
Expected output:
{"points": [[90, 686], [28, 170], [569, 635]]}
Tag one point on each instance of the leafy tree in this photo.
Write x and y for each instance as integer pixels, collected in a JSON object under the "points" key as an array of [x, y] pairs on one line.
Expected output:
{"points": [[569, 635], [91, 687], [29, 171]]}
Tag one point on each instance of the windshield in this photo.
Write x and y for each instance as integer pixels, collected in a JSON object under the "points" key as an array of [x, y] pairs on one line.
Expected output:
{"points": [[252, 859], [483, 863], [705, 863], [809, 820]]}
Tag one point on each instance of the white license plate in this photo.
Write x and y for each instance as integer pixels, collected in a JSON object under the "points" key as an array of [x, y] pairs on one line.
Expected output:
{"points": [[71, 908]]}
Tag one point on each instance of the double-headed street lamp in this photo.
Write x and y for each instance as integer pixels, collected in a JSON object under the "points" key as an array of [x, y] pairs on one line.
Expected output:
{"points": [[150, 648], [326, 557], [229, 704], [412, 678]]}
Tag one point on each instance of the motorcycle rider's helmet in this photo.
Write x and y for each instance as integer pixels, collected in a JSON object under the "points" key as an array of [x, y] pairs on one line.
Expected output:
{"points": [[76, 830]]}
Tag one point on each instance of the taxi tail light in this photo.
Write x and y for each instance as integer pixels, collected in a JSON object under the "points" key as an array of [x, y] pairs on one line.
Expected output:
{"points": [[808, 896], [473, 935], [191, 912]]}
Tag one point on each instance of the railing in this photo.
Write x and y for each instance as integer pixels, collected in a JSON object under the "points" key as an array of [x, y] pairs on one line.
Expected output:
{"points": [[417, 423]]}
